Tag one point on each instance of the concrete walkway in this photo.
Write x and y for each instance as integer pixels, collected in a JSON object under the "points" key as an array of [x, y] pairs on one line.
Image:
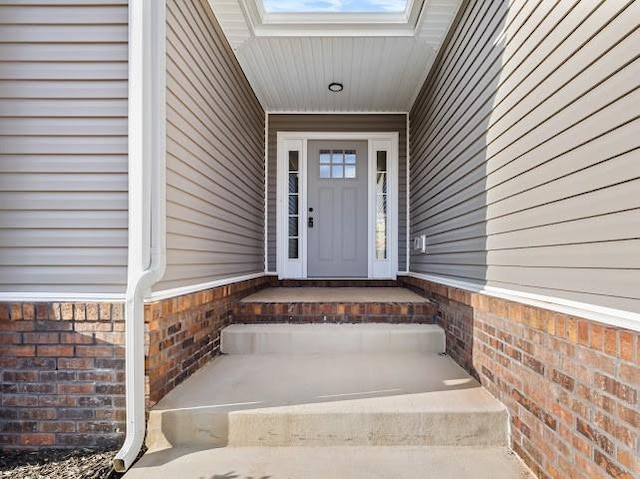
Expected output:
{"points": [[332, 463]]}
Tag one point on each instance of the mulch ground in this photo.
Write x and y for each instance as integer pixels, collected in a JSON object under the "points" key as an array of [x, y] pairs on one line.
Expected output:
{"points": [[58, 464]]}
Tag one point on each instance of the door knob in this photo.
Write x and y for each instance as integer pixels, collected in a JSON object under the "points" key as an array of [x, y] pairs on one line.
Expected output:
{"points": [[310, 222]]}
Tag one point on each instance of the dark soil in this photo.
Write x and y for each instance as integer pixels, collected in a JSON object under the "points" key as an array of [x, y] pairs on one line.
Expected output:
{"points": [[58, 464]]}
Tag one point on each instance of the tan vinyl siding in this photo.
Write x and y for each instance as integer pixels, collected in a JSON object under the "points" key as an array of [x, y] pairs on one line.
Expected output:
{"points": [[215, 155], [63, 146], [339, 123], [525, 159]]}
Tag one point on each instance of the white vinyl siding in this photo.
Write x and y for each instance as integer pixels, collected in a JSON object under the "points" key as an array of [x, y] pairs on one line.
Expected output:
{"points": [[63, 146], [524, 151], [215, 155]]}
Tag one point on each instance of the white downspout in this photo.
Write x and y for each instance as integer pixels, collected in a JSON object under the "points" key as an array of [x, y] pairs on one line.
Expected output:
{"points": [[147, 218]]}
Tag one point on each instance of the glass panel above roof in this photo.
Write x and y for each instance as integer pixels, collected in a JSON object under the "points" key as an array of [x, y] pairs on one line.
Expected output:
{"points": [[328, 6]]}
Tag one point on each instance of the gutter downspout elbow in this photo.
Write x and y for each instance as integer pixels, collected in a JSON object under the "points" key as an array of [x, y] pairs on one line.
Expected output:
{"points": [[146, 262], [135, 361]]}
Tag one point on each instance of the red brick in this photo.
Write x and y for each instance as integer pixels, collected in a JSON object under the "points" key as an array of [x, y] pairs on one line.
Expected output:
{"points": [[611, 342], [94, 351], [618, 431], [37, 439], [104, 311], [626, 345], [41, 338], [17, 325], [75, 388], [66, 311], [55, 351], [563, 380], [572, 329], [628, 459], [19, 400], [5, 312], [595, 436], [583, 332], [630, 416], [28, 311], [10, 338], [596, 336], [608, 465], [79, 312], [42, 310], [40, 414], [594, 360], [92, 312], [630, 374], [17, 351], [76, 338], [16, 312], [57, 426], [587, 469], [76, 363]]}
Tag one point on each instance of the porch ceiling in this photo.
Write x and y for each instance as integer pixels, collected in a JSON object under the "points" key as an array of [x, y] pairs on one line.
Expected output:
{"points": [[291, 59]]}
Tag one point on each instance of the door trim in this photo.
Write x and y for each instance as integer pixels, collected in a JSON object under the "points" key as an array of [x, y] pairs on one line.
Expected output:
{"points": [[297, 141]]}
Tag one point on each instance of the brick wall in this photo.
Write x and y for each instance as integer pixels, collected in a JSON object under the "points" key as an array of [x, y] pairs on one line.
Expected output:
{"points": [[571, 385], [183, 333], [62, 374]]}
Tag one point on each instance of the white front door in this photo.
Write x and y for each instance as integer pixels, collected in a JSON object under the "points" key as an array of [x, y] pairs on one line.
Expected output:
{"points": [[337, 211], [330, 223]]}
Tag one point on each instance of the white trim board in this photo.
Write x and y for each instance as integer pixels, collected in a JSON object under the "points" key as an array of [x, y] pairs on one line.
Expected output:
{"points": [[194, 288], [377, 141], [335, 112], [48, 297], [600, 314]]}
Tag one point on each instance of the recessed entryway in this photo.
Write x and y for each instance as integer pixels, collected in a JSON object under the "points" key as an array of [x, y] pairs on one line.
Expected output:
{"points": [[337, 214]]}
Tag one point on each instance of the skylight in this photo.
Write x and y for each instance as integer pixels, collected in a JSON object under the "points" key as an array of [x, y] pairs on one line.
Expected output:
{"points": [[329, 6]]}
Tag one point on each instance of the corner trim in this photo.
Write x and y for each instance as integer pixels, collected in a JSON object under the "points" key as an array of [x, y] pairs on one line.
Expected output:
{"points": [[266, 191], [600, 314], [194, 288], [408, 196]]}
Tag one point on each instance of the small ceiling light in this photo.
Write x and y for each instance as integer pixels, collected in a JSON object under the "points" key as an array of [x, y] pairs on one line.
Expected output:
{"points": [[336, 87]]}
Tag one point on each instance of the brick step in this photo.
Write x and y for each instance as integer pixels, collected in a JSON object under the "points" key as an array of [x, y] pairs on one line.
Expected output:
{"points": [[334, 305], [332, 338], [328, 400]]}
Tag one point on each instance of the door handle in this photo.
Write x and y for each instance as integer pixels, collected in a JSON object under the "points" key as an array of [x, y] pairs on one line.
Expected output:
{"points": [[310, 222]]}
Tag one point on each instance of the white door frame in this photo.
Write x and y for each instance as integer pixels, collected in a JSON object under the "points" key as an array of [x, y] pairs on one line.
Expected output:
{"points": [[297, 141]]}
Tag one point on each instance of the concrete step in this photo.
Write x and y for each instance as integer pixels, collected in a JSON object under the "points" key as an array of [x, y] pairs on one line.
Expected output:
{"points": [[332, 338], [328, 400], [332, 463]]}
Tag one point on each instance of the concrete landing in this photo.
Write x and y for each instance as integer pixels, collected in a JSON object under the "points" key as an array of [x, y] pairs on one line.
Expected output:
{"points": [[335, 295], [332, 338], [328, 400], [332, 463]]}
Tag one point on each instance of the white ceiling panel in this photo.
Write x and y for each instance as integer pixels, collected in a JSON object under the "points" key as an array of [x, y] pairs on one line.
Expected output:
{"points": [[380, 73]]}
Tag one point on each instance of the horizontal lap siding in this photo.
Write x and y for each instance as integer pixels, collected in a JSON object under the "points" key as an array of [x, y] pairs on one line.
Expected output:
{"points": [[339, 123], [63, 146], [524, 151], [215, 155]]}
